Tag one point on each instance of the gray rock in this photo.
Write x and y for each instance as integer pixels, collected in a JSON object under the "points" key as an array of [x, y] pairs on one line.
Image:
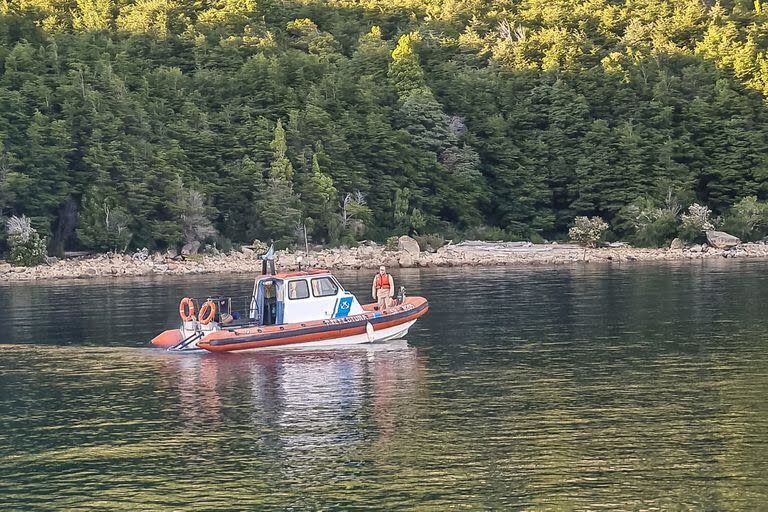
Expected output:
{"points": [[248, 252], [365, 252], [76, 254], [722, 240], [190, 248], [405, 260], [349, 261], [141, 255], [5, 268], [676, 244], [409, 245], [50, 260]]}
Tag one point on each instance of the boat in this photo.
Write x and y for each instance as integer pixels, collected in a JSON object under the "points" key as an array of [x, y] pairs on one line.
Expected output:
{"points": [[293, 310]]}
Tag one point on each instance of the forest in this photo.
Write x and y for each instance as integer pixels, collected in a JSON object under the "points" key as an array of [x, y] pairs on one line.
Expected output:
{"points": [[151, 123]]}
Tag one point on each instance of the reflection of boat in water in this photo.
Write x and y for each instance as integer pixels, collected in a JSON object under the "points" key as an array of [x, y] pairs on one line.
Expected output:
{"points": [[298, 400], [289, 310]]}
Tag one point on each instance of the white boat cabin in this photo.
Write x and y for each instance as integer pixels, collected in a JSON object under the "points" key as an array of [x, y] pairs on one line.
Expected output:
{"points": [[300, 297]]}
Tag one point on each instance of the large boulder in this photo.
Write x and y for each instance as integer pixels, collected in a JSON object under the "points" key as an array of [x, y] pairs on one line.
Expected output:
{"points": [[722, 240], [676, 244], [409, 245], [190, 248]]}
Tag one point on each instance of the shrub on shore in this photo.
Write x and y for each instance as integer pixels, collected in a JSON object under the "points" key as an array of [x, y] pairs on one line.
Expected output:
{"points": [[27, 248], [695, 223], [431, 242], [748, 219], [588, 231], [653, 225], [656, 223]]}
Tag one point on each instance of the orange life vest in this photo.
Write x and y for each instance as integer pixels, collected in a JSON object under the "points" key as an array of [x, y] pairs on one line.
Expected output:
{"points": [[382, 281]]}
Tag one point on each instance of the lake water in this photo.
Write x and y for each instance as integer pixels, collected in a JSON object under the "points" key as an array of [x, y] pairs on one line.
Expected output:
{"points": [[641, 387]]}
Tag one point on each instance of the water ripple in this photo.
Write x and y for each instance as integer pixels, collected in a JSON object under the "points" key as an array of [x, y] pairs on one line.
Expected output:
{"points": [[580, 388]]}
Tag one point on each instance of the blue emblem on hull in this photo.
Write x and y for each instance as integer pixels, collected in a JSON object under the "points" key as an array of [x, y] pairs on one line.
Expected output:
{"points": [[345, 304]]}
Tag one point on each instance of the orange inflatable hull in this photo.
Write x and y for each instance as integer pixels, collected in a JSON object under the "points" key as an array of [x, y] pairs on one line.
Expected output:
{"points": [[371, 325]]}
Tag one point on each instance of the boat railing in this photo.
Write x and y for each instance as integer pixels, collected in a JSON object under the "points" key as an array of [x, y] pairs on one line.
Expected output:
{"points": [[238, 307]]}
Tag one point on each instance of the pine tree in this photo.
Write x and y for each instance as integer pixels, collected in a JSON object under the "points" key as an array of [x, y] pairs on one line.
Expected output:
{"points": [[318, 197], [281, 168], [405, 72]]}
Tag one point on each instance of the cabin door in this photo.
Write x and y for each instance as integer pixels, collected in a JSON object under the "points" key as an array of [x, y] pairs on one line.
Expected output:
{"points": [[269, 302]]}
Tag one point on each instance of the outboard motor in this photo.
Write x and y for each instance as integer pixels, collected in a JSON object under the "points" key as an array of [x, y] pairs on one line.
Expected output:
{"points": [[401, 296]]}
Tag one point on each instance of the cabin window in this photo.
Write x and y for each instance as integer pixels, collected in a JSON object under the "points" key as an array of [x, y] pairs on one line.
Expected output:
{"points": [[324, 287], [298, 290]]}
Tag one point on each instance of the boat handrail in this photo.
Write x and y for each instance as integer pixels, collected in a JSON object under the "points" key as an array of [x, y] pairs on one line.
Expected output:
{"points": [[239, 303]]}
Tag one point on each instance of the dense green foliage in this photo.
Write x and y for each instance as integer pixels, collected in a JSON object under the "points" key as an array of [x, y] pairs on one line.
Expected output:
{"points": [[375, 117], [748, 219]]}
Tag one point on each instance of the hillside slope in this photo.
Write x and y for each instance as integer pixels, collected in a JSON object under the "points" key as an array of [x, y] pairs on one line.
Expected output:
{"points": [[131, 122]]}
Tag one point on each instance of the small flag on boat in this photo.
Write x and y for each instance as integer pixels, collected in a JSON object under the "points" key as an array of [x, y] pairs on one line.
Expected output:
{"points": [[270, 253], [268, 261]]}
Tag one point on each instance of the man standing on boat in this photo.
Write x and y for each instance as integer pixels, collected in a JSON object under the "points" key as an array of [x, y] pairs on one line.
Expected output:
{"points": [[383, 288]]}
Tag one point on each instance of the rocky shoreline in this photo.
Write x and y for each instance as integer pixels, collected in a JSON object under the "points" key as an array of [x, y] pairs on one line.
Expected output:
{"points": [[366, 256]]}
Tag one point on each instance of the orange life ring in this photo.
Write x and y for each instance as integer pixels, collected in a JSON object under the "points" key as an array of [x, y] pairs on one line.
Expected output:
{"points": [[207, 312], [187, 309]]}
